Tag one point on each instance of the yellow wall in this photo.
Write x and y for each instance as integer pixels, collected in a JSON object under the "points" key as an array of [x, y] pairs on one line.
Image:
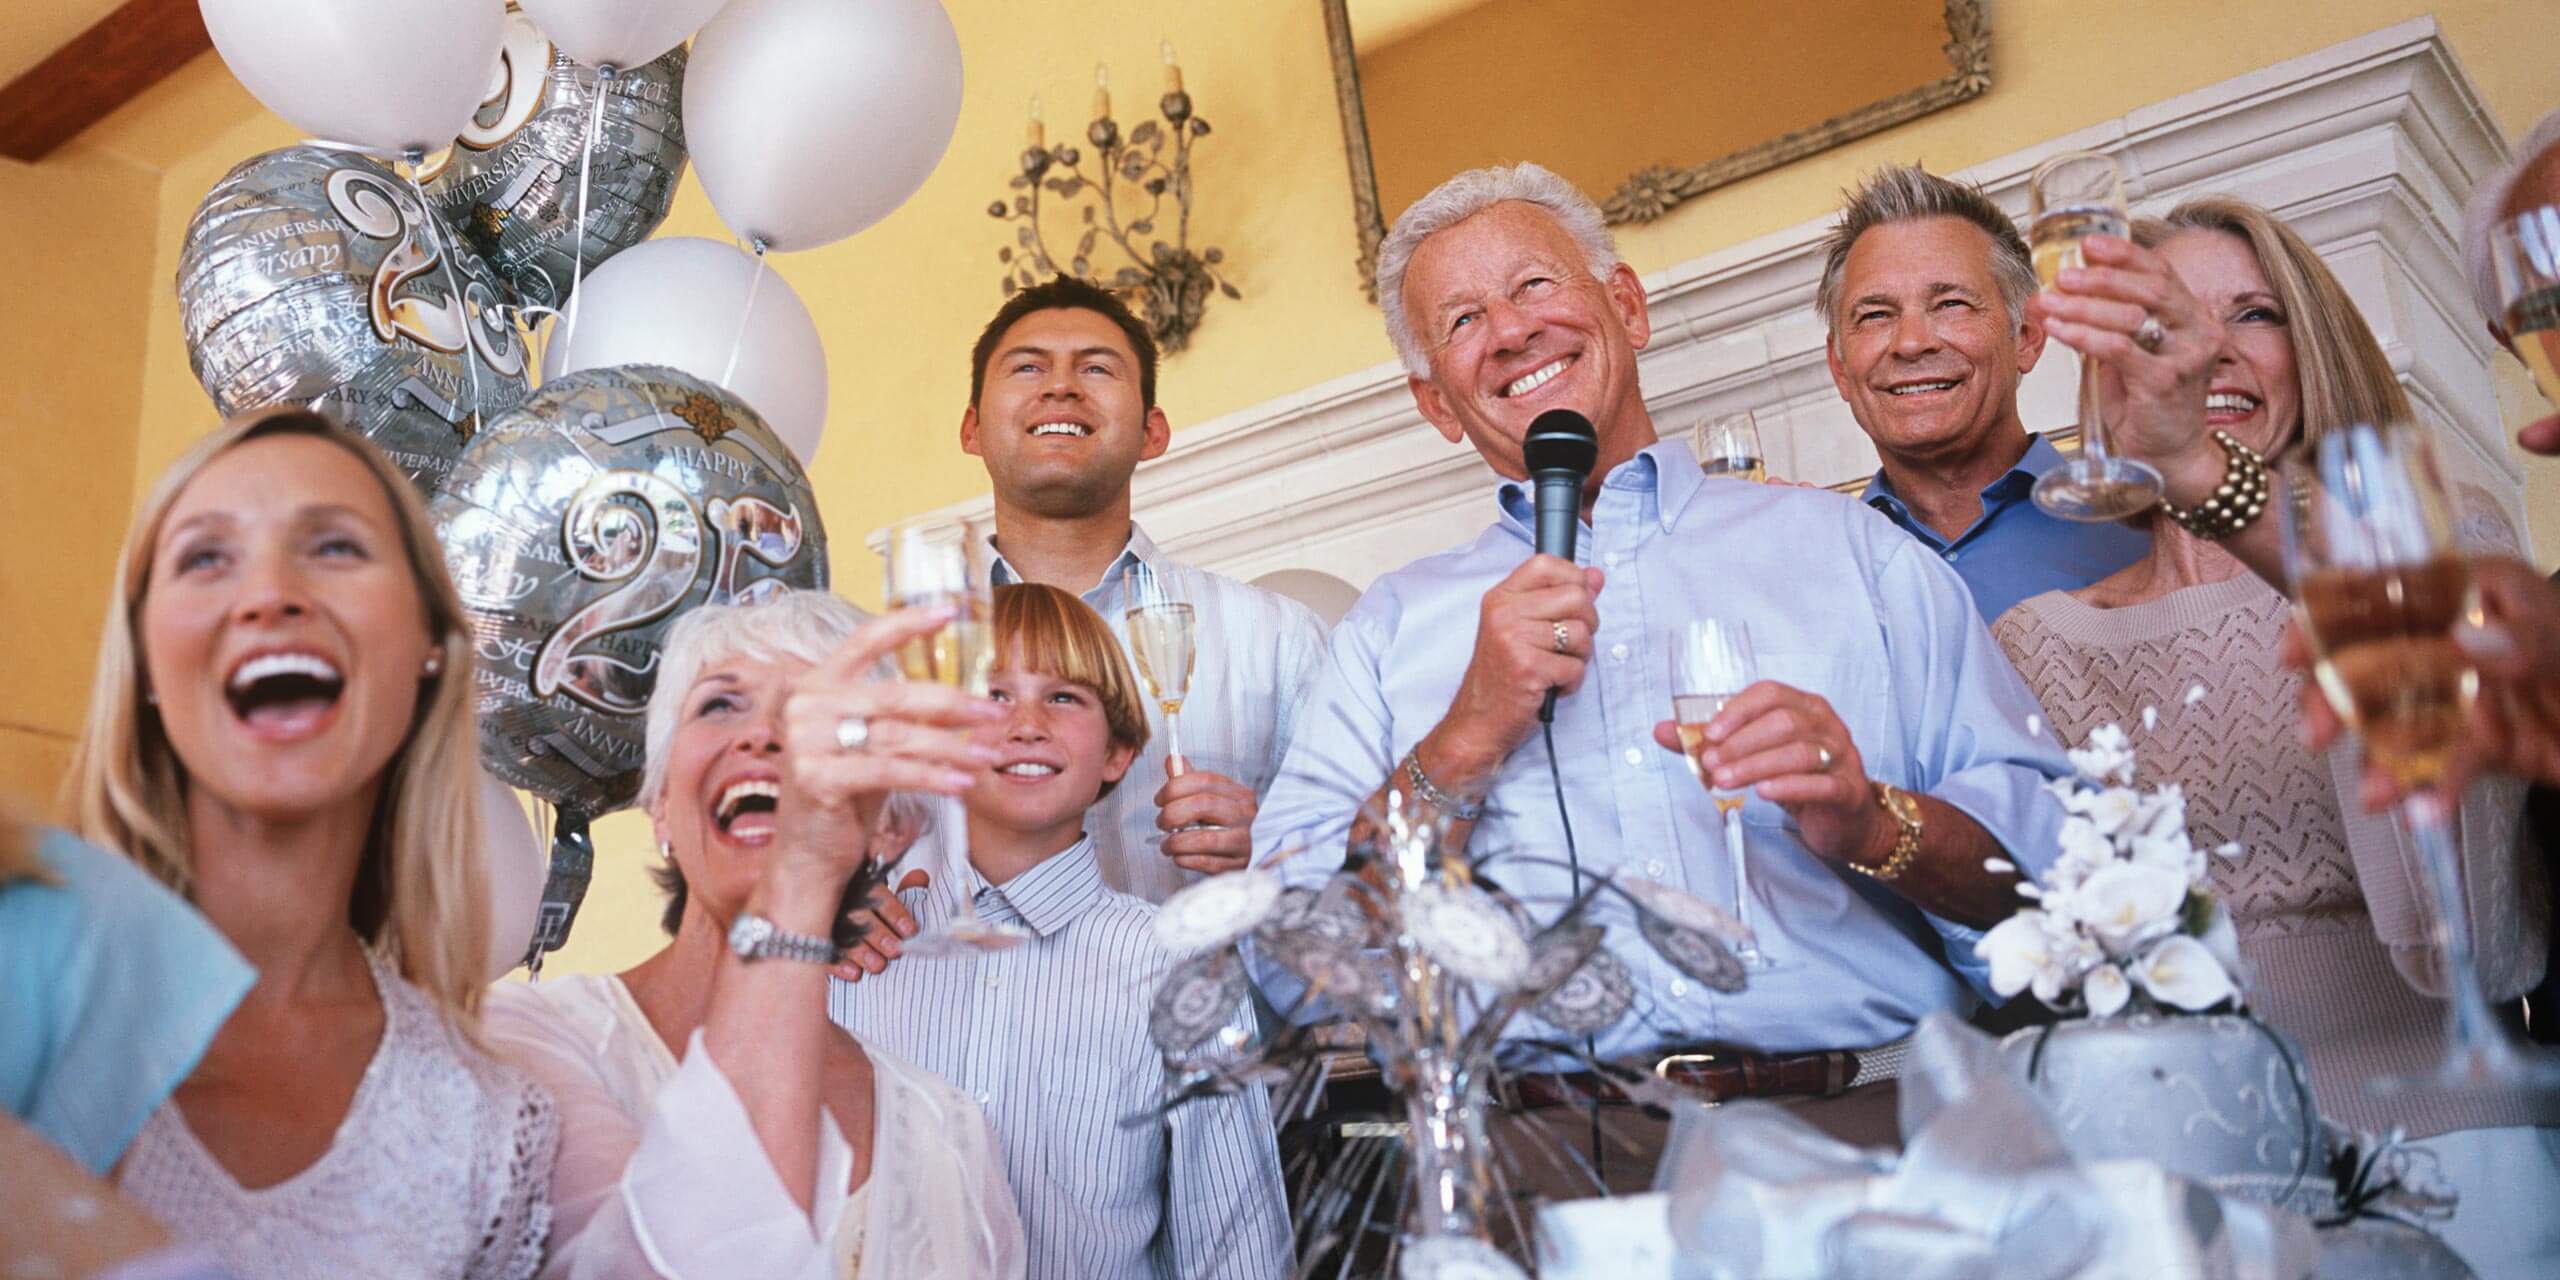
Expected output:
{"points": [[898, 305]]}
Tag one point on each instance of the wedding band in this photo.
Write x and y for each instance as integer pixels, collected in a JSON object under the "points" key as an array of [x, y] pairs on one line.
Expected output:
{"points": [[2151, 334], [853, 733], [1564, 638], [1821, 758]]}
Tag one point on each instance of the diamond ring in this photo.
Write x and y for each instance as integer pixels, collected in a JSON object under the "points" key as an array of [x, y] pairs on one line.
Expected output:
{"points": [[1564, 638], [853, 733]]}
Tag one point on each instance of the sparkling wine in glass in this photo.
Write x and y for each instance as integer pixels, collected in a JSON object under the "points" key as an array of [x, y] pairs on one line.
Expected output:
{"points": [[1162, 638], [2071, 197], [2525, 253], [1729, 445], [1710, 665], [944, 564], [2378, 586]]}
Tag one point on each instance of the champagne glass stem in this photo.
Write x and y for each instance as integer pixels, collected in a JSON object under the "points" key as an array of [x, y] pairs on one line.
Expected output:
{"points": [[1749, 950], [952, 818], [1174, 764], [2427, 820], [2093, 430]]}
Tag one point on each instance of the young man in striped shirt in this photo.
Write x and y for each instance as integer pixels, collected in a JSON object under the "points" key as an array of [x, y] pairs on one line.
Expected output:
{"points": [[1051, 1036]]}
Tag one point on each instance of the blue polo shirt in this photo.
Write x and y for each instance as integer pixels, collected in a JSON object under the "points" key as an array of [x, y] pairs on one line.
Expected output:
{"points": [[2014, 550]]}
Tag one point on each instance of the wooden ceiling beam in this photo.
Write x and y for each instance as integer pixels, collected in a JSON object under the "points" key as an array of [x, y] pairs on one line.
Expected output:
{"points": [[131, 49]]}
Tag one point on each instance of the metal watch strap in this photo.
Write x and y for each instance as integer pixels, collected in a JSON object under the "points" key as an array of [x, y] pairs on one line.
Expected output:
{"points": [[755, 938], [1424, 790], [1906, 839]]}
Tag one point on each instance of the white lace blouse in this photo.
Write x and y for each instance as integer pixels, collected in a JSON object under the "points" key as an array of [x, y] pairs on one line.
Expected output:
{"points": [[442, 1168], [660, 1173]]}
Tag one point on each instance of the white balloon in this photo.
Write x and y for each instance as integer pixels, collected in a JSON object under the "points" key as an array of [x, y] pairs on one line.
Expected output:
{"points": [[516, 867], [812, 119], [388, 76], [676, 301], [618, 33]]}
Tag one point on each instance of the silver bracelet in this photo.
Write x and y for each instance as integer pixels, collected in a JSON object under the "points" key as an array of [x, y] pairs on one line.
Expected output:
{"points": [[1420, 782]]}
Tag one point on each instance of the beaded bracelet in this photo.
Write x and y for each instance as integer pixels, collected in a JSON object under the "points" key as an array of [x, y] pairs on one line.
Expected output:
{"points": [[2237, 503]]}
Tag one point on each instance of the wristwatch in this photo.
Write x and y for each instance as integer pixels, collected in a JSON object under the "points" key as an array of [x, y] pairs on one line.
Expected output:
{"points": [[754, 938], [1906, 840]]}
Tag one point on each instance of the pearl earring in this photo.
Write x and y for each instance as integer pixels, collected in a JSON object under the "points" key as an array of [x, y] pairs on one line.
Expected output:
{"points": [[666, 852], [435, 663]]}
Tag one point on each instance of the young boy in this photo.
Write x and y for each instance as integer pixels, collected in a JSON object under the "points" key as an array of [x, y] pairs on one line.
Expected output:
{"points": [[1051, 1036]]}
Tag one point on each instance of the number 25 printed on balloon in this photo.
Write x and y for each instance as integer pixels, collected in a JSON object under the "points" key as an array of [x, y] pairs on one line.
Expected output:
{"points": [[510, 183], [578, 528], [314, 276]]}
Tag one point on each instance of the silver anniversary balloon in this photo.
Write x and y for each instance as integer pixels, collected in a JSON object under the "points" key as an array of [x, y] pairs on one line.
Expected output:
{"points": [[510, 182], [578, 528], [316, 276]]}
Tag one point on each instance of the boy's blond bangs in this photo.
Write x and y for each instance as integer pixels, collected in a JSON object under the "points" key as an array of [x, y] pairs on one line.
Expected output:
{"points": [[1042, 629]]}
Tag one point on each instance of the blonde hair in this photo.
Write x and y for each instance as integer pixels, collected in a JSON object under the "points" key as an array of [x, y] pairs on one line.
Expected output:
{"points": [[1042, 629], [421, 896], [2344, 376]]}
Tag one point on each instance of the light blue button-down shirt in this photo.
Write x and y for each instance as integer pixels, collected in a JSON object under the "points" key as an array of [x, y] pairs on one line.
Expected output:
{"points": [[2013, 549], [1256, 652], [1051, 1039], [1839, 603]]}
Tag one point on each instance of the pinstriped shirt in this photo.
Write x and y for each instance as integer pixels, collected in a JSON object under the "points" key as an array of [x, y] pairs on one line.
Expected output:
{"points": [[1051, 1039]]}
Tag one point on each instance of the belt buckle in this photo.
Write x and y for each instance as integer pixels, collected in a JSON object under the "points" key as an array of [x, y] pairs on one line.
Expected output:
{"points": [[1662, 1071]]}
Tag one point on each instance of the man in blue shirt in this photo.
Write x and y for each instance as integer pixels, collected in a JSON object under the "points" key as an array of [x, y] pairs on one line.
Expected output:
{"points": [[1924, 292], [1884, 749]]}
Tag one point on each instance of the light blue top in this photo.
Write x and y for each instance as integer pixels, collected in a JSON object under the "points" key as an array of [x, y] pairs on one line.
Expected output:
{"points": [[1051, 1038], [110, 988], [2014, 550], [1839, 603]]}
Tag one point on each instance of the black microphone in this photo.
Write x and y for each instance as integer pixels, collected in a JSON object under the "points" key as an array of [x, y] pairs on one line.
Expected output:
{"points": [[1560, 450]]}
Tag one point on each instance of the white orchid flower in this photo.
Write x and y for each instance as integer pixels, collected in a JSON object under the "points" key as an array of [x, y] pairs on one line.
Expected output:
{"points": [[2171, 852], [2106, 990], [2125, 904], [2019, 949], [2084, 849], [2110, 809], [2106, 757], [2181, 973]]}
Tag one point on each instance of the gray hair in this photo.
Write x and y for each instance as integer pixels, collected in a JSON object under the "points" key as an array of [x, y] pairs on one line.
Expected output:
{"points": [[1461, 198], [2480, 215], [807, 625], [1908, 193]]}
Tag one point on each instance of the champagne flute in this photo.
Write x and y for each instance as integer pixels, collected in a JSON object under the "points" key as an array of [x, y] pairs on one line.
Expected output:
{"points": [[1161, 637], [1729, 445], [2378, 585], [943, 564], [2073, 196], [2525, 253], [1710, 665]]}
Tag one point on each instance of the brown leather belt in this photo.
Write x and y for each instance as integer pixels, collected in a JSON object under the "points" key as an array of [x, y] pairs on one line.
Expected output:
{"points": [[1719, 1074]]}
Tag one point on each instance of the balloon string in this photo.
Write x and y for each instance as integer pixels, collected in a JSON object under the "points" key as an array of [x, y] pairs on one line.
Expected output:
{"points": [[739, 343], [586, 163], [453, 282]]}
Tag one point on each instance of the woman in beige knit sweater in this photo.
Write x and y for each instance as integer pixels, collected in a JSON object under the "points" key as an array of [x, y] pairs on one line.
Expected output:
{"points": [[2331, 916]]}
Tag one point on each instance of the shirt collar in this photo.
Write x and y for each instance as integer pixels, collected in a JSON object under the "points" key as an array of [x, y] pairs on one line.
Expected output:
{"points": [[1141, 550], [1664, 472], [1055, 891], [2018, 480]]}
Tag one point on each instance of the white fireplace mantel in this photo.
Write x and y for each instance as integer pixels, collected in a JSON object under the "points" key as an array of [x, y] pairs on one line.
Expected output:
{"points": [[2368, 147]]}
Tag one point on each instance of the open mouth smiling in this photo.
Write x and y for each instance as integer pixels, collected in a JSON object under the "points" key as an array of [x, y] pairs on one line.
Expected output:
{"points": [[284, 693], [1536, 378], [1061, 427], [745, 808]]}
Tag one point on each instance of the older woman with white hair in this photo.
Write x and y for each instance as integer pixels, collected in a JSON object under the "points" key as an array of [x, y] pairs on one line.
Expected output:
{"points": [[713, 1121]]}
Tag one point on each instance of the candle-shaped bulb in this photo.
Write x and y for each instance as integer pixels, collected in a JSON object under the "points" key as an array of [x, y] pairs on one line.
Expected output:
{"points": [[1101, 92], [1172, 69], [1035, 137]]}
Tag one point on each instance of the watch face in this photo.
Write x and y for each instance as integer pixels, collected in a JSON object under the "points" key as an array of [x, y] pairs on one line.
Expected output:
{"points": [[748, 934]]}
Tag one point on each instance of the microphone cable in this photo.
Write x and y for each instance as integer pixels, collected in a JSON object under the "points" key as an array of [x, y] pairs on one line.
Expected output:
{"points": [[1573, 860]]}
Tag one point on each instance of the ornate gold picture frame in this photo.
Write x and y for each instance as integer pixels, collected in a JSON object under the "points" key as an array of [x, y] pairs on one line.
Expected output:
{"points": [[1654, 190]]}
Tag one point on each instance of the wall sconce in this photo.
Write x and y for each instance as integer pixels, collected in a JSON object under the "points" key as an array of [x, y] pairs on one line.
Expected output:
{"points": [[1165, 281]]}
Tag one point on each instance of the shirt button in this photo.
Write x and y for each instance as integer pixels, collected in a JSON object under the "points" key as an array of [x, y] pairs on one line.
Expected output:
{"points": [[1612, 559], [982, 1097], [1635, 756], [1618, 652], [1952, 555], [991, 980], [1679, 989], [1655, 868]]}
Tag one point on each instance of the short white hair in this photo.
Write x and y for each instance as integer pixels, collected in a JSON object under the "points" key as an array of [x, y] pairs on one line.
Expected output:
{"points": [[807, 625], [2480, 216], [1463, 197]]}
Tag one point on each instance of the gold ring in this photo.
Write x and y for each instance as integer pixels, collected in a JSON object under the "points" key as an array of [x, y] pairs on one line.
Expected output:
{"points": [[1821, 758], [1564, 638]]}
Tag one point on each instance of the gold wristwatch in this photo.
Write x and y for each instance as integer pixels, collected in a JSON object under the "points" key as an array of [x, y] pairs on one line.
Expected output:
{"points": [[1906, 840]]}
